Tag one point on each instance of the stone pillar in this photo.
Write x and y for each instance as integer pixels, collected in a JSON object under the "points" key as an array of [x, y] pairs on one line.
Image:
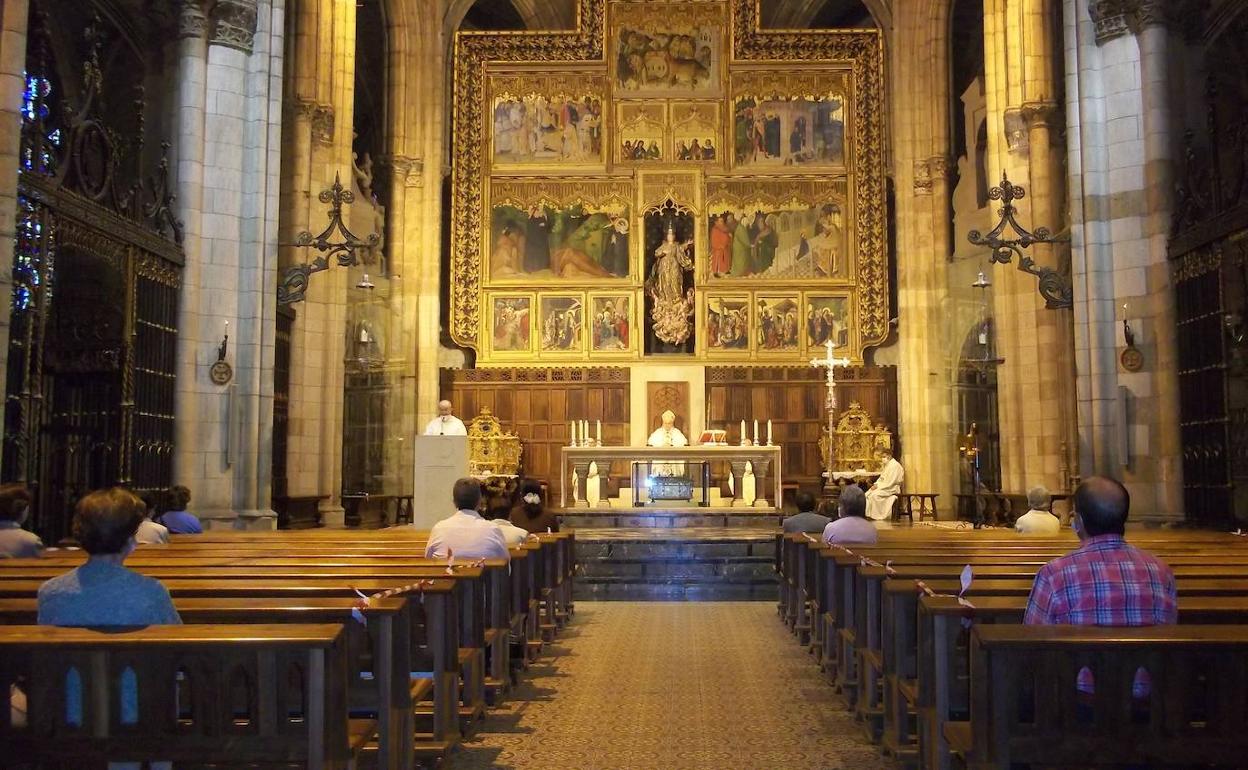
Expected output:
{"points": [[13, 25], [190, 54], [320, 88], [921, 146], [227, 168], [1121, 188]]}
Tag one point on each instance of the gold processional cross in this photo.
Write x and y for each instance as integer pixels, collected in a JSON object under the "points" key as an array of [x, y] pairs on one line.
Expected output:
{"points": [[831, 362]]}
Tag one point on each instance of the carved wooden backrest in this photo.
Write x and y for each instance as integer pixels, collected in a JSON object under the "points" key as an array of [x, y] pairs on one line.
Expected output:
{"points": [[857, 439], [490, 451]]}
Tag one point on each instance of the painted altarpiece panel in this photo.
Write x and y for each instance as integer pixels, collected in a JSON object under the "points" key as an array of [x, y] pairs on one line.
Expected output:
{"points": [[642, 134], [509, 333], [778, 322], [827, 316], [548, 231], [789, 121], [561, 325], [547, 119], [727, 325], [787, 229], [667, 48], [696, 133], [612, 324]]}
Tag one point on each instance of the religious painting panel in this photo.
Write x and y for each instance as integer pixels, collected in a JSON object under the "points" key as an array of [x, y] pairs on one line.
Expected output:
{"points": [[510, 329], [547, 119], [667, 48], [642, 133], [789, 121], [727, 324], [778, 324], [793, 229], [544, 231], [827, 317], [561, 324], [669, 262], [696, 132], [611, 323]]}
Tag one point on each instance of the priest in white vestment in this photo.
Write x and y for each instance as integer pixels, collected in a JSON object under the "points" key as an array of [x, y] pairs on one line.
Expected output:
{"points": [[667, 434], [884, 491], [445, 424]]}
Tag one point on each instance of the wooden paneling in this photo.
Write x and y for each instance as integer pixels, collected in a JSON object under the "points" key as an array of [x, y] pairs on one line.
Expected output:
{"points": [[537, 405], [662, 396], [792, 397]]}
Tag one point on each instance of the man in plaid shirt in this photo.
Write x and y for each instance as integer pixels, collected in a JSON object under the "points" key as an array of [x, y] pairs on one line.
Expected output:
{"points": [[1104, 582]]}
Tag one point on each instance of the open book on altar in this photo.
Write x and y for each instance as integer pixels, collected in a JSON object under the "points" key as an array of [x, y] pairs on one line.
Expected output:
{"points": [[713, 437]]}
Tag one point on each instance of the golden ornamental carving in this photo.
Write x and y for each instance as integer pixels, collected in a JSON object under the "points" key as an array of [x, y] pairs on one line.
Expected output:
{"points": [[610, 195], [491, 452], [857, 439], [749, 193]]}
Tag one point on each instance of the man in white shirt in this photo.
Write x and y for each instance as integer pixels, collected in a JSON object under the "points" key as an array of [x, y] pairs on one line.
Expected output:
{"points": [[1040, 519], [466, 534], [852, 525], [512, 534], [884, 491], [445, 424]]}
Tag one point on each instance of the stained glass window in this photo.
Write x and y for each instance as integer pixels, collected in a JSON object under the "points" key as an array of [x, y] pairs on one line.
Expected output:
{"points": [[41, 137]]}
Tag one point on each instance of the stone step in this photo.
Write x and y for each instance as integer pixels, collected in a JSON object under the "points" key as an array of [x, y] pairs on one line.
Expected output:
{"points": [[676, 589], [586, 551]]}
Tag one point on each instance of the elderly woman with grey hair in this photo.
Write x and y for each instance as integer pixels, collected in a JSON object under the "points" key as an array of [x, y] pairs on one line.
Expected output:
{"points": [[1039, 520]]}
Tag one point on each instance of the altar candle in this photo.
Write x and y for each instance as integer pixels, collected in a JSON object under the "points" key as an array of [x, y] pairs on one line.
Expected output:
{"points": [[743, 431], [756, 432], [572, 432], [599, 432], [585, 432], [769, 433]]}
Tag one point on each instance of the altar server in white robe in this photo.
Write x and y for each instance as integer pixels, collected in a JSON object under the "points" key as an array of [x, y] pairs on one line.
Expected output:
{"points": [[668, 434], [446, 423], [884, 491]]}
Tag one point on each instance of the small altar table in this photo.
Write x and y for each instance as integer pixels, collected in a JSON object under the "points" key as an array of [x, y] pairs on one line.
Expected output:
{"points": [[765, 461]]}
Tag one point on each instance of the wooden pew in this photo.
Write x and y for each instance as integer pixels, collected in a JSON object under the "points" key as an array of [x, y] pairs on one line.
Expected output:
{"points": [[1193, 716], [224, 694], [381, 649], [935, 675]]}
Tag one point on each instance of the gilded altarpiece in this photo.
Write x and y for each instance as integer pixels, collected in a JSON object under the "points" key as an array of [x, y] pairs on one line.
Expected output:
{"points": [[668, 179]]}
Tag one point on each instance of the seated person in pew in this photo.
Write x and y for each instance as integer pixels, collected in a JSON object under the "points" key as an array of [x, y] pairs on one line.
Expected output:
{"points": [[465, 533], [1040, 519], [15, 542], [530, 512], [1104, 582], [852, 526], [102, 592], [512, 534], [178, 519], [805, 520], [149, 532]]}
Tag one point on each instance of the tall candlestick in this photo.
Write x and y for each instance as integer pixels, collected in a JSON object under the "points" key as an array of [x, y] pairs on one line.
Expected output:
{"points": [[743, 431], [585, 431], [572, 432], [769, 433], [599, 432], [756, 432]]}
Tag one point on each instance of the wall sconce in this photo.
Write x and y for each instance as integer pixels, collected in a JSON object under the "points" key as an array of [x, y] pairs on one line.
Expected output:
{"points": [[1233, 323], [294, 282], [221, 372], [1055, 287], [1131, 358]]}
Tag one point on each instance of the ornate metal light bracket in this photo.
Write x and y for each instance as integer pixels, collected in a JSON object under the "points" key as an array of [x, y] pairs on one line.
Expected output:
{"points": [[294, 283], [1055, 286]]}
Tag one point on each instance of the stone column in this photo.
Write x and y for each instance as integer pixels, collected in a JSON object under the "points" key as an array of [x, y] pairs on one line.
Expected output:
{"points": [[13, 25], [190, 54]]}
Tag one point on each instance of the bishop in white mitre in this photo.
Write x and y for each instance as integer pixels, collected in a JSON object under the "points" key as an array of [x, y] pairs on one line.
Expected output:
{"points": [[884, 491], [668, 434]]}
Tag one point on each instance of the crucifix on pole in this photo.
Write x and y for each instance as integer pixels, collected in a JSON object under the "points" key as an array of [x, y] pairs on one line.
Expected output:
{"points": [[831, 362]]}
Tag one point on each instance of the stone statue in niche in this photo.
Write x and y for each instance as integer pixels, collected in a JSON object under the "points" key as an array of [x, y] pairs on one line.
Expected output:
{"points": [[669, 286]]}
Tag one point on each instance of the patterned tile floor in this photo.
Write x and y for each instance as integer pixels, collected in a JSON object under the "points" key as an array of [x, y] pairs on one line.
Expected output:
{"points": [[672, 686]]}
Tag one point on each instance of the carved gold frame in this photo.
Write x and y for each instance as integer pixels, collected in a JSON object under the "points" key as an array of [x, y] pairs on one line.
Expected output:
{"points": [[861, 50], [850, 350]]}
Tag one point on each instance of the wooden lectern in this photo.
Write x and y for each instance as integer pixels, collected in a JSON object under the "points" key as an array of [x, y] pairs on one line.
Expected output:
{"points": [[439, 462]]}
